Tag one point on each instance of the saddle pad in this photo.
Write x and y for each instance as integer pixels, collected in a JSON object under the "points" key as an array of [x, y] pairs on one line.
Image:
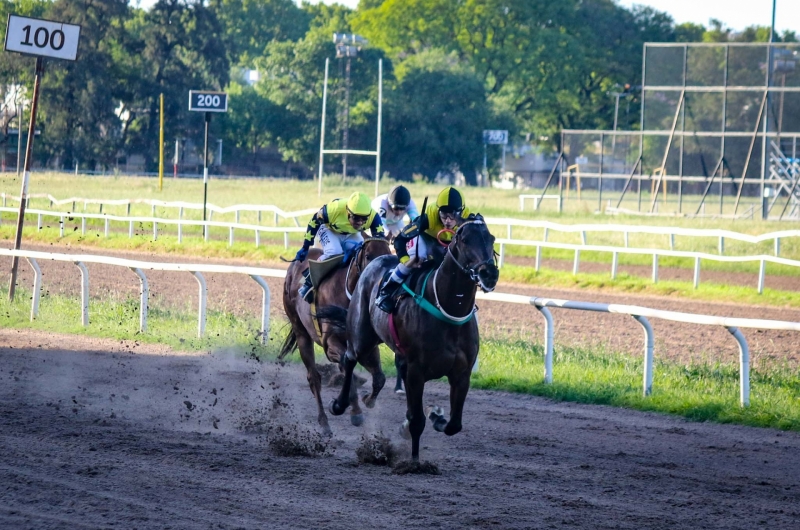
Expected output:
{"points": [[318, 270]]}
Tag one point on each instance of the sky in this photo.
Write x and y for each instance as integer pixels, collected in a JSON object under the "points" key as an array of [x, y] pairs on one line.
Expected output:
{"points": [[735, 14]]}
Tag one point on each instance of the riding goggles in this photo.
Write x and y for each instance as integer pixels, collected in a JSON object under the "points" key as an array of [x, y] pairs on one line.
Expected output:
{"points": [[359, 218]]}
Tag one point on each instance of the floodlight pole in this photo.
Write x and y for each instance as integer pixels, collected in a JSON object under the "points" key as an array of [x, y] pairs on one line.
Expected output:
{"points": [[346, 115], [322, 128], [205, 172], [23, 196], [378, 144], [764, 141]]}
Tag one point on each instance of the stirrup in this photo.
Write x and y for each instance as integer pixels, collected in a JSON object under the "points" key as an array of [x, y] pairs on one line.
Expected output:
{"points": [[385, 298], [306, 292]]}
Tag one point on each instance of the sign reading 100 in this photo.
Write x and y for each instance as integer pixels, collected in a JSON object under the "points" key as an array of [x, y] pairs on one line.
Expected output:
{"points": [[34, 36], [205, 101]]}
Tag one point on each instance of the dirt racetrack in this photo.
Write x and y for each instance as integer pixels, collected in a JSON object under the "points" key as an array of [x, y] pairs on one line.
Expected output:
{"points": [[107, 434], [102, 434]]}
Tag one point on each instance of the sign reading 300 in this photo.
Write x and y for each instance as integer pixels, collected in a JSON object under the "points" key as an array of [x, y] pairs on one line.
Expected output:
{"points": [[34, 36]]}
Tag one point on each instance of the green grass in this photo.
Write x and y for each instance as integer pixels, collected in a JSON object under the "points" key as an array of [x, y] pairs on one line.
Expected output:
{"points": [[698, 392]]}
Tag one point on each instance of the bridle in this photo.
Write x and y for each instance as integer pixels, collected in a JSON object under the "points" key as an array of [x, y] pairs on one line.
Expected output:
{"points": [[472, 271]]}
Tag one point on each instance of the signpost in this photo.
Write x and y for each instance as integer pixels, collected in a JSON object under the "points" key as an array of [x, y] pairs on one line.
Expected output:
{"points": [[208, 102], [494, 137], [40, 38]]}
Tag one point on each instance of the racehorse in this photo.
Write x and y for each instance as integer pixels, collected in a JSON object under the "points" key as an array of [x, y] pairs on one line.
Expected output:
{"points": [[335, 290], [434, 330]]}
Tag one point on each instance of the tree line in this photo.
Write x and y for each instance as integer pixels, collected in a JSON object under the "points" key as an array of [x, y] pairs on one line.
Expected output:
{"points": [[451, 69]]}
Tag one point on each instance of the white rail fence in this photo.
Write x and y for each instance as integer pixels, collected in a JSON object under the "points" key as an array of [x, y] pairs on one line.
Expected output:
{"points": [[138, 268], [179, 205], [640, 314], [762, 259], [156, 221]]}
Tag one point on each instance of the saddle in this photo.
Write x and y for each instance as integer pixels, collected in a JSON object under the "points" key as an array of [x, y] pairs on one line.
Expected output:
{"points": [[414, 280]]}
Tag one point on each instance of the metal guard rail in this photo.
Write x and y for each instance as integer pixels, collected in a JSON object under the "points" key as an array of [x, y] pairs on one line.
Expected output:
{"points": [[639, 313]]}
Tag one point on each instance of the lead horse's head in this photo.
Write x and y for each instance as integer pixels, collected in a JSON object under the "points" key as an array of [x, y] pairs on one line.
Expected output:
{"points": [[472, 248]]}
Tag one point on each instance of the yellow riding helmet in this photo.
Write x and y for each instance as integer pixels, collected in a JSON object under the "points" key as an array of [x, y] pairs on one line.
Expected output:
{"points": [[359, 204], [450, 200]]}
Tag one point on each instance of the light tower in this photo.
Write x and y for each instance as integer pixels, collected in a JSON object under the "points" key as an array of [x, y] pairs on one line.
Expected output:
{"points": [[347, 46]]}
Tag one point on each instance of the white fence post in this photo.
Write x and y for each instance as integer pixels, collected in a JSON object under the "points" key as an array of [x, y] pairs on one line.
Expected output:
{"points": [[614, 265], [655, 268], [548, 343], [84, 293], [696, 273], [761, 271], [201, 310], [144, 293], [264, 308], [649, 343], [37, 288], [744, 366], [576, 262]]}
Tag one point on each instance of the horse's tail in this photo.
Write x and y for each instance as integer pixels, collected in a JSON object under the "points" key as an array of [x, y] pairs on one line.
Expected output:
{"points": [[289, 344], [334, 315]]}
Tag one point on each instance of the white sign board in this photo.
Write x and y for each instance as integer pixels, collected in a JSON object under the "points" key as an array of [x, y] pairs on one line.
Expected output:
{"points": [[495, 137], [205, 101], [34, 36]]}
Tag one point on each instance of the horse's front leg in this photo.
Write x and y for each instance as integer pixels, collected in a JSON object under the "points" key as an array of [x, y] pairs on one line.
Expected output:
{"points": [[415, 415], [340, 404], [372, 362], [356, 414], [459, 386]]}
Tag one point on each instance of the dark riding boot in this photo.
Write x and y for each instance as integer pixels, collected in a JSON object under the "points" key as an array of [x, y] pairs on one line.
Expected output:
{"points": [[385, 300], [306, 292]]}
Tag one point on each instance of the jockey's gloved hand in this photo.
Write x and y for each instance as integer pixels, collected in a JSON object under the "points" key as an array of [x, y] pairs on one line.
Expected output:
{"points": [[302, 254]]}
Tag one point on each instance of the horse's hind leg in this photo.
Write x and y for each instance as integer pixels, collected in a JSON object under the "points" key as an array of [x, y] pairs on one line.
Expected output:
{"points": [[459, 386], [356, 414], [306, 347], [372, 362]]}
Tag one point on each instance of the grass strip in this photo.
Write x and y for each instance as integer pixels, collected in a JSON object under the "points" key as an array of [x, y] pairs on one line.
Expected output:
{"points": [[698, 392]]}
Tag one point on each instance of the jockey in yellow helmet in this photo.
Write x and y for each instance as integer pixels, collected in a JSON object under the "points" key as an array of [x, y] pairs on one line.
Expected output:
{"points": [[420, 237], [339, 225]]}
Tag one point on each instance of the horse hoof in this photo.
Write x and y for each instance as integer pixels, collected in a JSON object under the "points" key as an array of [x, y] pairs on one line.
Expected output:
{"points": [[357, 419], [405, 431], [333, 408], [436, 415], [400, 391], [368, 401]]}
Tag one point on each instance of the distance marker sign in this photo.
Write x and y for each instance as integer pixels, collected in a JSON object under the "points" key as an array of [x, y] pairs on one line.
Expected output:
{"points": [[45, 38], [205, 101]]}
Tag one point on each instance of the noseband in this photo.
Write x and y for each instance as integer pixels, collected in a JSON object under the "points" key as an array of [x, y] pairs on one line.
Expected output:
{"points": [[473, 271]]}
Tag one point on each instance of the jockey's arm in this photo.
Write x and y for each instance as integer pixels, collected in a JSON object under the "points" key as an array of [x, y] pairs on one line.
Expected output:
{"points": [[318, 219], [407, 234], [412, 212], [376, 228]]}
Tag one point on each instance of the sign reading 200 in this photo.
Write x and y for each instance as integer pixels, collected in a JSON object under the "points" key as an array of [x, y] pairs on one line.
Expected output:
{"points": [[46, 38], [206, 101]]}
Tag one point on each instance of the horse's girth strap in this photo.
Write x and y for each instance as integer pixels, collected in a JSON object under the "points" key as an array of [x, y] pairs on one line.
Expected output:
{"points": [[395, 336]]}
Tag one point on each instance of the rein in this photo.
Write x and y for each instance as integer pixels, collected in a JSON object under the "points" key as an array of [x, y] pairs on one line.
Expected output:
{"points": [[358, 251]]}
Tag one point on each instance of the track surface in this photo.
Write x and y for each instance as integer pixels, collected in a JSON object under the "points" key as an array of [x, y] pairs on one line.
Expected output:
{"points": [[101, 434]]}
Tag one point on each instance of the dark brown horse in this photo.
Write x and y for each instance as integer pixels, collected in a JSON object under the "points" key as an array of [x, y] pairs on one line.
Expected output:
{"points": [[443, 342], [306, 329]]}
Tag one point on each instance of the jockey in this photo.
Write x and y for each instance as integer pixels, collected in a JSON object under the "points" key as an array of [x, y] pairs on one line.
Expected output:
{"points": [[418, 237], [393, 207], [339, 225]]}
